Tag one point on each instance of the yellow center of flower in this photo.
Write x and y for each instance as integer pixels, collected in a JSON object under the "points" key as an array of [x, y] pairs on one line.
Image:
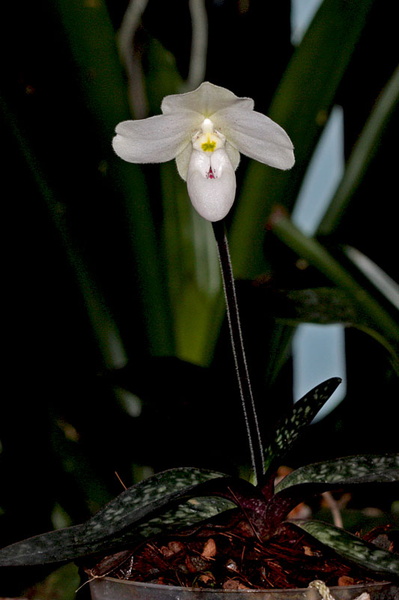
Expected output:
{"points": [[209, 145], [208, 139]]}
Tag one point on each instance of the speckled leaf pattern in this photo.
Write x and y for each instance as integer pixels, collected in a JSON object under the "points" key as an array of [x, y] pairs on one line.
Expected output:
{"points": [[145, 497], [141, 511], [352, 547], [301, 415], [346, 471], [191, 512], [52, 547]]}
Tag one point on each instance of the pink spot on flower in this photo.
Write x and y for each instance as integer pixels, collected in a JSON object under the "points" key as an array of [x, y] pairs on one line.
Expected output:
{"points": [[210, 174]]}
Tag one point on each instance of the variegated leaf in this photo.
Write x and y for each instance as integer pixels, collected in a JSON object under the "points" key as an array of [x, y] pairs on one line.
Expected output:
{"points": [[352, 548], [56, 546], [194, 511], [145, 497], [141, 511], [299, 417], [321, 477], [349, 470]]}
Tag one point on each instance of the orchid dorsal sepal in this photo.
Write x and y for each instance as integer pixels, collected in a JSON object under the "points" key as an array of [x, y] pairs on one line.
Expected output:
{"points": [[205, 131]]}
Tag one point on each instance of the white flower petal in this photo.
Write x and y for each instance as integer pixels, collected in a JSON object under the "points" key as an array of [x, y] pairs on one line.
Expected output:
{"points": [[212, 197], [156, 139], [183, 161], [233, 155], [256, 136], [206, 100]]}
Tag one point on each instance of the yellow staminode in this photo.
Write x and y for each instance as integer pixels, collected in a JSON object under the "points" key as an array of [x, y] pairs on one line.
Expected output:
{"points": [[209, 145]]}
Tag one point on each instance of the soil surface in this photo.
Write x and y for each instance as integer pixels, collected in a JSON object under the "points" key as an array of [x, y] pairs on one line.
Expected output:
{"points": [[234, 558]]}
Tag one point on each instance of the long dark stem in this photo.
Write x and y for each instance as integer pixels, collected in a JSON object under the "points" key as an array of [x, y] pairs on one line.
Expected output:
{"points": [[244, 383]]}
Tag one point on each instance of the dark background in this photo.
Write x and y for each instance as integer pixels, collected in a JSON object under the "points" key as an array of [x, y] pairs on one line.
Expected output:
{"points": [[63, 434]]}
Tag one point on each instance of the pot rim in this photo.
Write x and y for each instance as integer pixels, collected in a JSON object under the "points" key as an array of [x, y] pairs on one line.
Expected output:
{"points": [[157, 586]]}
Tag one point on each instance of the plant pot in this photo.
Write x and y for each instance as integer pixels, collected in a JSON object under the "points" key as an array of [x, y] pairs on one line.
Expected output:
{"points": [[108, 588]]}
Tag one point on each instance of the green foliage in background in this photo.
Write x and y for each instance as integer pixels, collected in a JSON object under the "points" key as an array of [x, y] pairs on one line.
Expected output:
{"points": [[116, 304]]}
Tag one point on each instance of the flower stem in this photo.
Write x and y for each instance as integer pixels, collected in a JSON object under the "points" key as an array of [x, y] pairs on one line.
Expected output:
{"points": [[244, 383]]}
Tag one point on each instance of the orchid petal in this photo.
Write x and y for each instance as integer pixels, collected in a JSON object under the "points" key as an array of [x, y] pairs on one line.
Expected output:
{"points": [[212, 196], [156, 139], [183, 161], [233, 155], [205, 100], [256, 136]]}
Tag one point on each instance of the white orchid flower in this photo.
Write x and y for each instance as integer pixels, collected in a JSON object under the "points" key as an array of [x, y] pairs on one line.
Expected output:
{"points": [[205, 131]]}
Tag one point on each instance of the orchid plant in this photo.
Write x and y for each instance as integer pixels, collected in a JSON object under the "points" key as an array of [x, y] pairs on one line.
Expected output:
{"points": [[205, 131], [176, 499]]}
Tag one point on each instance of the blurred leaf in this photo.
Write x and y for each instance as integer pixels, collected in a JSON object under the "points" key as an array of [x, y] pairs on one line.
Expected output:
{"points": [[280, 349], [188, 246], [88, 28], [61, 584], [352, 548], [301, 105], [193, 268], [378, 277], [321, 306], [82, 482], [315, 305], [362, 154], [104, 327], [161, 76], [297, 419], [374, 315], [187, 240]]}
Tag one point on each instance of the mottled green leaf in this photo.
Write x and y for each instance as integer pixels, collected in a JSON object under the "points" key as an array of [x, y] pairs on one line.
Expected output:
{"points": [[333, 474], [141, 511], [194, 510], [56, 546], [350, 470], [352, 548], [146, 497], [299, 417]]}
